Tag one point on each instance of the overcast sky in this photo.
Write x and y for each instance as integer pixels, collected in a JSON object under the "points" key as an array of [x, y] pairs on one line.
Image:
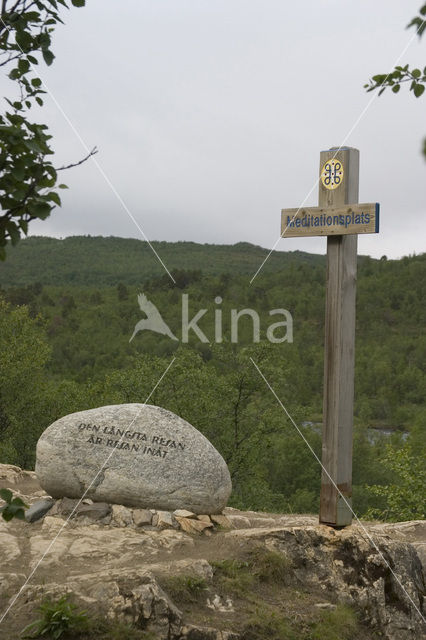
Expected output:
{"points": [[210, 115]]}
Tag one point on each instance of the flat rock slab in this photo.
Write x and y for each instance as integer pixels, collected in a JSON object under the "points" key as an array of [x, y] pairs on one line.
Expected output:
{"points": [[135, 455], [38, 509]]}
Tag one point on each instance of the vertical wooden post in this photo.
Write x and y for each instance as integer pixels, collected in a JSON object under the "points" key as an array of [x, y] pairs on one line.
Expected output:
{"points": [[339, 347]]}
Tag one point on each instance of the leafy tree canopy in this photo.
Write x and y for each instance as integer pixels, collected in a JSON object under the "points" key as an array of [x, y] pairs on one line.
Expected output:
{"points": [[28, 179]]}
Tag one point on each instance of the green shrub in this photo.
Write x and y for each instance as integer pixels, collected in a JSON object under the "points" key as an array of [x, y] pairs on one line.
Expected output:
{"points": [[405, 499], [14, 507], [57, 618]]}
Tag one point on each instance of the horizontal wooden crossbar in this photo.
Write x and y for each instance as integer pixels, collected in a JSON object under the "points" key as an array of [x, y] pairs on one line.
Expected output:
{"points": [[329, 221]]}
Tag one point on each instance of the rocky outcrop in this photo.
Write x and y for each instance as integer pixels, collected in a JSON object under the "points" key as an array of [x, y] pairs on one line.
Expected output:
{"points": [[133, 598], [116, 561], [375, 574]]}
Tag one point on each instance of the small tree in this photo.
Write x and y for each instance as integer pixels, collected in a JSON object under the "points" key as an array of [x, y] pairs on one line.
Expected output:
{"points": [[28, 178], [24, 352], [406, 497]]}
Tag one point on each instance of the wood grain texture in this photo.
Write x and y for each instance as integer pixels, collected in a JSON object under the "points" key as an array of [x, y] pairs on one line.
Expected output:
{"points": [[339, 349]]}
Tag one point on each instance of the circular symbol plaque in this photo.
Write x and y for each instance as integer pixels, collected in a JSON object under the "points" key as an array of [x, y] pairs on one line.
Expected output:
{"points": [[332, 174]]}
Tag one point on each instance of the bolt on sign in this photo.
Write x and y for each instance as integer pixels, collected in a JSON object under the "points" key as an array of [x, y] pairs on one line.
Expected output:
{"points": [[341, 218]]}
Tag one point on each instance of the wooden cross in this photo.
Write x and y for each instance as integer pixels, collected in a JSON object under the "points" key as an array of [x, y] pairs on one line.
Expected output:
{"points": [[340, 218]]}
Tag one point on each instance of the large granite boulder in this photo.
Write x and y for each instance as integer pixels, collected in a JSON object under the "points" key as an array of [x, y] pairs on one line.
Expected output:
{"points": [[132, 454]]}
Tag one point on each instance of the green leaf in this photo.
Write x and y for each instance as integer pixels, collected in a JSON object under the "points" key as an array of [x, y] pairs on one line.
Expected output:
{"points": [[44, 40], [19, 502], [54, 198], [29, 627], [78, 3], [14, 74], [24, 40], [416, 73], [39, 101], [14, 234], [418, 90], [16, 120], [18, 172], [48, 56], [6, 495], [31, 16], [51, 171], [32, 145], [415, 22], [40, 210], [36, 82], [6, 514], [63, 186], [396, 88], [23, 65]]}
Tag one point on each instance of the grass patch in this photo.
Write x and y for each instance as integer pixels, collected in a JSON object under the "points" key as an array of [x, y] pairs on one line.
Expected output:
{"points": [[270, 566], [338, 624], [233, 576], [184, 589], [262, 565], [267, 624], [115, 630]]}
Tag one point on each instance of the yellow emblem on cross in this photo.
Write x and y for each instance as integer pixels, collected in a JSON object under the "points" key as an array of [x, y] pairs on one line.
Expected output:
{"points": [[332, 174]]}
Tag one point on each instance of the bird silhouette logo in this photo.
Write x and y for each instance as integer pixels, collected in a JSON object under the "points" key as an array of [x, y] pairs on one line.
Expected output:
{"points": [[153, 321]]}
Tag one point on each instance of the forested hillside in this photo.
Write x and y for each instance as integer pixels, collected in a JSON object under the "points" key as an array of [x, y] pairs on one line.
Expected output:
{"points": [[87, 260], [65, 347]]}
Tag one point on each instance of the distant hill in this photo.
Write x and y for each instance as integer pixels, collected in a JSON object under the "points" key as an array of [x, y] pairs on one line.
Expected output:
{"points": [[99, 261]]}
